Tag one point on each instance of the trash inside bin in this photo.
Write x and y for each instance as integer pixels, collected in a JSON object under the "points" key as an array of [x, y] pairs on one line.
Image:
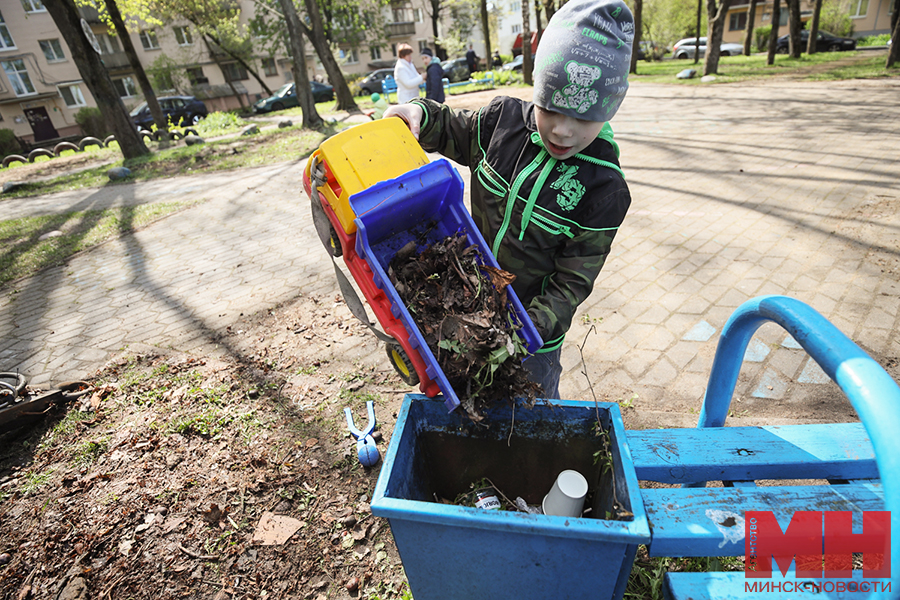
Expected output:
{"points": [[451, 551]]}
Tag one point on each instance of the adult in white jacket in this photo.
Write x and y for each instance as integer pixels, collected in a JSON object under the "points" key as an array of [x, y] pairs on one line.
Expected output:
{"points": [[405, 74]]}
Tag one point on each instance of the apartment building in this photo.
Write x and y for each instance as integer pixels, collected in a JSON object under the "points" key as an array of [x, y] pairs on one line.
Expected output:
{"points": [[41, 89], [870, 17]]}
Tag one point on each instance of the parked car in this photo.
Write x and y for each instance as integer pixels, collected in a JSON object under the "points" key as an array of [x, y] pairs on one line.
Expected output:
{"points": [[514, 65], [825, 42], [648, 50], [371, 83], [286, 97], [456, 69], [685, 48], [179, 110]]}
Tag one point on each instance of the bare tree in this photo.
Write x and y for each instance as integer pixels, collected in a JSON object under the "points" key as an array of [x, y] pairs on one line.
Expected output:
{"points": [[748, 34], [315, 34], [526, 45], [795, 26], [216, 56], [96, 78], [697, 41], [717, 15], [814, 28], [773, 35], [638, 10], [894, 53], [311, 118], [115, 16], [486, 29]]}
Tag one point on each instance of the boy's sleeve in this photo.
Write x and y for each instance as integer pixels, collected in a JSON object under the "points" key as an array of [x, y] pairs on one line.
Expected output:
{"points": [[450, 132], [576, 270]]}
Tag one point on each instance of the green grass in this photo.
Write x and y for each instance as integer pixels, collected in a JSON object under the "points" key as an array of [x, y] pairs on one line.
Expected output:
{"points": [[646, 578], [734, 69], [24, 253]]}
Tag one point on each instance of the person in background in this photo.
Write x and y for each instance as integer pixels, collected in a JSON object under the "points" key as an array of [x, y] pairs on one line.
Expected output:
{"points": [[434, 76], [405, 74], [472, 60], [547, 190], [498, 62]]}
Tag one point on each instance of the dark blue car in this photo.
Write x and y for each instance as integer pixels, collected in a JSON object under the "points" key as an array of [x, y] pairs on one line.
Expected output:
{"points": [[179, 110]]}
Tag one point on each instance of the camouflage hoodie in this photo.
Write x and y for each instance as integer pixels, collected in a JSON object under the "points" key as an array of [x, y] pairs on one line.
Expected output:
{"points": [[557, 233]]}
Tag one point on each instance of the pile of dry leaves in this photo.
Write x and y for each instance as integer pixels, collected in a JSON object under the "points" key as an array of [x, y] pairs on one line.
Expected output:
{"points": [[461, 308]]}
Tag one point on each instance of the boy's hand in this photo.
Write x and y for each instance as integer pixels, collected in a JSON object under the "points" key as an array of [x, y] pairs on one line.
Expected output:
{"points": [[411, 113]]}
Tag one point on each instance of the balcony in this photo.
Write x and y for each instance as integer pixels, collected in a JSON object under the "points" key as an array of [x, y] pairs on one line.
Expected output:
{"points": [[89, 14], [400, 29], [116, 60]]}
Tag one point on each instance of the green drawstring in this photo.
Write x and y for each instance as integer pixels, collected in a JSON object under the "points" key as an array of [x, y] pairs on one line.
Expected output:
{"points": [[538, 186], [513, 194]]}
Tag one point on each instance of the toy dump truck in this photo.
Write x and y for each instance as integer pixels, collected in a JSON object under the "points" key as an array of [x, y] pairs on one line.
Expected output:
{"points": [[373, 190]]}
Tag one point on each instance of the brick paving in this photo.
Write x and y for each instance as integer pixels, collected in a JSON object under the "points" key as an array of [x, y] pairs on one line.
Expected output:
{"points": [[738, 191]]}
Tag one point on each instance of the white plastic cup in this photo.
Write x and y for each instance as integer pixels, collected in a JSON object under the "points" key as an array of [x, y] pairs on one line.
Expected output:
{"points": [[566, 497]]}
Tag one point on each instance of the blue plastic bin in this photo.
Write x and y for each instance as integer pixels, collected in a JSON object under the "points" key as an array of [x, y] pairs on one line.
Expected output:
{"points": [[393, 213], [451, 551]]}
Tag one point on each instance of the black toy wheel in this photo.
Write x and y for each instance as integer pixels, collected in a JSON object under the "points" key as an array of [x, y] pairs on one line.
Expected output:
{"points": [[402, 364]]}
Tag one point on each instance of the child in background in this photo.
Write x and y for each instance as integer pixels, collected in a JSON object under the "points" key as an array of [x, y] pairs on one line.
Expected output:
{"points": [[547, 190], [434, 76], [380, 106]]}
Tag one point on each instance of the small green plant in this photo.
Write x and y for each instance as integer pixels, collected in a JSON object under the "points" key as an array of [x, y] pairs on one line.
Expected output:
{"points": [[219, 123], [9, 143], [88, 452], [308, 370], [628, 403], [35, 481], [208, 424], [90, 119], [587, 319]]}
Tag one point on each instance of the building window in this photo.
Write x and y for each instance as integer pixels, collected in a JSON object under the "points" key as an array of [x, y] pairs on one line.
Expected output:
{"points": [[269, 68], [195, 76], [375, 52], [350, 56], [52, 50], [6, 41], [125, 87], [33, 6], [72, 95], [108, 44], [517, 29], [18, 77], [422, 45], [183, 36], [148, 39], [234, 72], [516, 7], [859, 8], [418, 15], [737, 22]]}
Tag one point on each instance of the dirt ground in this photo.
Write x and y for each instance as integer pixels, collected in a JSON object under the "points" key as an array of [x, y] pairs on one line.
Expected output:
{"points": [[232, 478]]}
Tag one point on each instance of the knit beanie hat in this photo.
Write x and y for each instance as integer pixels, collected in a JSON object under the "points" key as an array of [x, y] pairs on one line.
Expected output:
{"points": [[427, 52], [582, 61]]}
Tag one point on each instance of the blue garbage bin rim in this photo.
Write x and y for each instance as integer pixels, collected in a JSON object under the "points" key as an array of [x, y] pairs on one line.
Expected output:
{"points": [[636, 530]]}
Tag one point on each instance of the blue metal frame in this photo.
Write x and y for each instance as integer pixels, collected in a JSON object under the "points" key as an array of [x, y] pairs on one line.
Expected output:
{"points": [[873, 393]]}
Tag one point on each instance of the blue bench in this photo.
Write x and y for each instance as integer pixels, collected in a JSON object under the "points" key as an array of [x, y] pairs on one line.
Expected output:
{"points": [[694, 520]]}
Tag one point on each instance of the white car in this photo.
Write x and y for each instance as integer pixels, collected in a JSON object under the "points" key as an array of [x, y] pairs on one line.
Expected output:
{"points": [[685, 48]]}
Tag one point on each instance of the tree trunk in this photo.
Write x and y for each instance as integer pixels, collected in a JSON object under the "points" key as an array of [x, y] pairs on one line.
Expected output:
{"points": [[311, 118], [748, 36], [894, 53], [526, 45], [699, 20], [436, 30], [96, 78], [240, 61], [486, 29], [537, 20], [715, 26], [773, 35], [162, 123], [215, 56], [636, 45], [315, 34], [794, 28], [814, 28]]}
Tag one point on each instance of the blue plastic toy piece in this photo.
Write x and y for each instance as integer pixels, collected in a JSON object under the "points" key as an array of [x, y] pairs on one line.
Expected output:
{"points": [[366, 449]]}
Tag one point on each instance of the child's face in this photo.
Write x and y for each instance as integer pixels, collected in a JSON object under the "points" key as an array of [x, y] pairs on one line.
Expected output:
{"points": [[564, 136]]}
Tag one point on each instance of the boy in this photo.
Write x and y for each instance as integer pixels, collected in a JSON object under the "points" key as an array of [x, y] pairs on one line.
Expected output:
{"points": [[547, 191], [434, 76]]}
